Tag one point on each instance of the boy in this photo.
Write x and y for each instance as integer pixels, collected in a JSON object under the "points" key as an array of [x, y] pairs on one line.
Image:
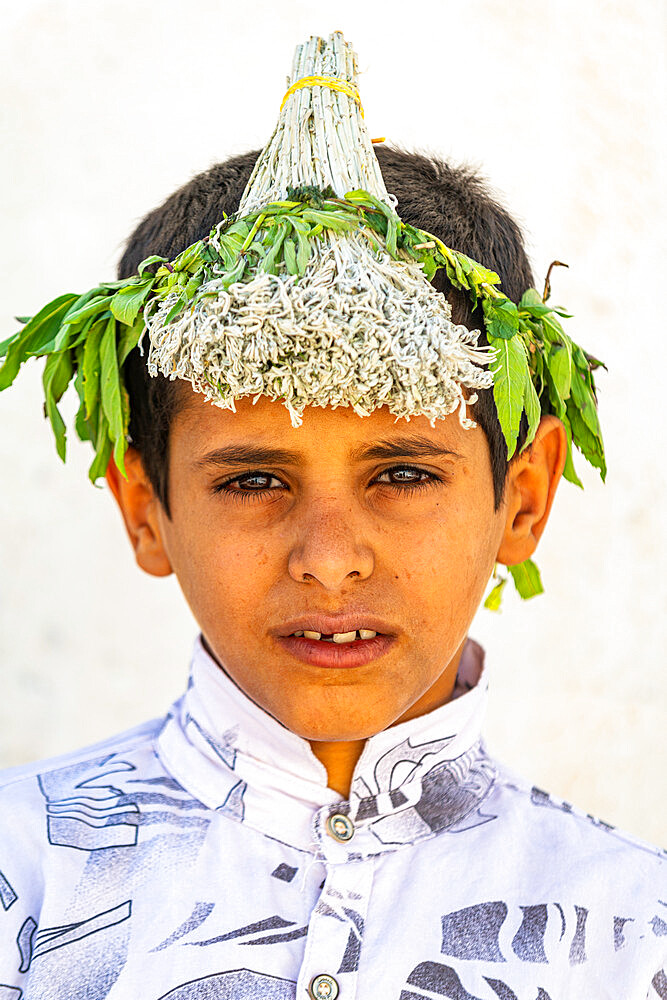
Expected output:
{"points": [[318, 817]]}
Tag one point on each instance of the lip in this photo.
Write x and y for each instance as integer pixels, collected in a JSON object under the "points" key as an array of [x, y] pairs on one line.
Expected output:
{"points": [[327, 624], [336, 655]]}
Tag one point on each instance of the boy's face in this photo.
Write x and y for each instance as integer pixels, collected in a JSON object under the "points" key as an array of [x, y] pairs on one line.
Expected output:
{"points": [[382, 525]]}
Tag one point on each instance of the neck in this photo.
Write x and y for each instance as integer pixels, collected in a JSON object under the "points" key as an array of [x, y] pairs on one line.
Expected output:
{"points": [[340, 760], [340, 757]]}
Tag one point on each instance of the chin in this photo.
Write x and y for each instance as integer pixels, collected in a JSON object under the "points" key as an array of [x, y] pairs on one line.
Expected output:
{"points": [[343, 730]]}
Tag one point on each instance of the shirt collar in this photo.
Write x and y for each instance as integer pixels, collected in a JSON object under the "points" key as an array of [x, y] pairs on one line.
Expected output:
{"points": [[412, 781]]}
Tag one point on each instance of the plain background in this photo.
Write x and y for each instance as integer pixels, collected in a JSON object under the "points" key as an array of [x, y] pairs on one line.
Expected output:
{"points": [[110, 105]]}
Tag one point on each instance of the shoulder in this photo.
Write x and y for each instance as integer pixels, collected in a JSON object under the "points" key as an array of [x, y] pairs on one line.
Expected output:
{"points": [[570, 855], [75, 801], [25, 780], [606, 889], [546, 817]]}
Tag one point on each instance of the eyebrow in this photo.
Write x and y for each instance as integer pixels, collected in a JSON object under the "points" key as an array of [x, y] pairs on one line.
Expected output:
{"points": [[249, 454], [405, 446]]}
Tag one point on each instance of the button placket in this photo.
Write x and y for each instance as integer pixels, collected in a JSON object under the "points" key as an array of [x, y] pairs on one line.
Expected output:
{"points": [[334, 945]]}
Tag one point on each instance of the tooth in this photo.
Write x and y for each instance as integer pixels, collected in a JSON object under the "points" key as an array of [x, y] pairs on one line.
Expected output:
{"points": [[298, 633], [312, 635], [367, 633], [344, 636]]}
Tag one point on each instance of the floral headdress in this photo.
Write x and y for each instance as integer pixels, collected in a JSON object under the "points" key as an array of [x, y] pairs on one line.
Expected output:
{"points": [[314, 293]]}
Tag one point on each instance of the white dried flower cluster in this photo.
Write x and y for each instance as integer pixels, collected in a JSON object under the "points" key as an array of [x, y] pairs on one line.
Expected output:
{"points": [[320, 137], [358, 329]]}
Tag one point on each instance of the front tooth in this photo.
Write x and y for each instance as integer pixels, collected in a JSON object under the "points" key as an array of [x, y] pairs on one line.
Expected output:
{"points": [[312, 635], [298, 634], [367, 633], [344, 636]]}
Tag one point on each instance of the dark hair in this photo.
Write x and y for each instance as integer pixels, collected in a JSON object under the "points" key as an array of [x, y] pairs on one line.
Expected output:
{"points": [[453, 203]]}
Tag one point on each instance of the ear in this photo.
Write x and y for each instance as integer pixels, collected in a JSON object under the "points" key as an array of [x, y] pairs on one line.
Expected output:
{"points": [[139, 507], [532, 479]]}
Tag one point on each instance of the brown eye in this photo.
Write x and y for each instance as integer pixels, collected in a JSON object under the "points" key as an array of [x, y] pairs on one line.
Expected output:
{"points": [[251, 484], [407, 477], [256, 481]]}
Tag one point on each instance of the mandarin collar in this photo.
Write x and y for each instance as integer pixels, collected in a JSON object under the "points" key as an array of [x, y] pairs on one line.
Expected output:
{"points": [[413, 781]]}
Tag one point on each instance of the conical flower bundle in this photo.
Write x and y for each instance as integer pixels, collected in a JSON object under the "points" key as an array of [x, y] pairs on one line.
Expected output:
{"points": [[309, 298]]}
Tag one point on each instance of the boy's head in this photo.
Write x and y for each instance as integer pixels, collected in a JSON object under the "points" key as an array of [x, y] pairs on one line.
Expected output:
{"points": [[345, 523]]}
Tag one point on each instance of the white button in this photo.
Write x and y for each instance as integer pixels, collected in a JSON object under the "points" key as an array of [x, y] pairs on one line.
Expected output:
{"points": [[340, 827], [323, 987]]}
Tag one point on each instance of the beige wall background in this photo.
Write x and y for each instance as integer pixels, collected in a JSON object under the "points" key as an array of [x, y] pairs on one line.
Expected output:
{"points": [[110, 105]]}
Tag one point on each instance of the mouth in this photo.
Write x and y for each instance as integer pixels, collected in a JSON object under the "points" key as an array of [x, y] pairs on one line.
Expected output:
{"points": [[352, 644], [340, 638]]}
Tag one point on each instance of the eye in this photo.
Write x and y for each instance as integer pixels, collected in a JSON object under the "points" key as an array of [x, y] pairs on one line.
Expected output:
{"points": [[250, 485], [407, 477]]}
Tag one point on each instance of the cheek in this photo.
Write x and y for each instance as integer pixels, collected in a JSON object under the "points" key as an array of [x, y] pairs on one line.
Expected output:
{"points": [[222, 574], [443, 569]]}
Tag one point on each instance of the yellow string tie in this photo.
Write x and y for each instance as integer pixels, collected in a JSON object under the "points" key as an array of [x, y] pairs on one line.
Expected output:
{"points": [[332, 82]]}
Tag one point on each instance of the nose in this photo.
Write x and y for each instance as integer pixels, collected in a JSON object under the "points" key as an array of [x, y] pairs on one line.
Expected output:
{"points": [[329, 549]]}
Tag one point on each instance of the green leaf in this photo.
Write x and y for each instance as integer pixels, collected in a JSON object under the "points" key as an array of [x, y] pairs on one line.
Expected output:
{"points": [[553, 331], [81, 425], [501, 317], [148, 261], [57, 374], [120, 446], [127, 302], [559, 363], [537, 311], [557, 404], [531, 405], [195, 283], [569, 471], [41, 329], [458, 277], [302, 232], [361, 197], [526, 578], [190, 258], [103, 447], [92, 367], [510, 373], [392, 234], [110, 382], [588, 443], [269, 264], [178, 307], [5, 343], [494, 599], [289, 249], [531, 297], [331, 220], [92, 308], [585, 402], [129, 338], [480, 274]]}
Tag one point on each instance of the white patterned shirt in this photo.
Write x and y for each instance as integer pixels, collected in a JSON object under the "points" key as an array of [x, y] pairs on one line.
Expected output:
{"points": [[203, 856]]}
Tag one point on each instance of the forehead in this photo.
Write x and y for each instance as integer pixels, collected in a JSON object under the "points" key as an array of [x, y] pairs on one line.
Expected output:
{"points": [[200, 426]]}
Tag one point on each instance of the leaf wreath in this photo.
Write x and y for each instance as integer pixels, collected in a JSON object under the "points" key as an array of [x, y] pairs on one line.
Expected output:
{"points": [[87, 338]]}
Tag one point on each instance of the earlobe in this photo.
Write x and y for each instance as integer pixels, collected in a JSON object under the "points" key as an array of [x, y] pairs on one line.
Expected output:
{"points": [[139, 507], [532, 481]]}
